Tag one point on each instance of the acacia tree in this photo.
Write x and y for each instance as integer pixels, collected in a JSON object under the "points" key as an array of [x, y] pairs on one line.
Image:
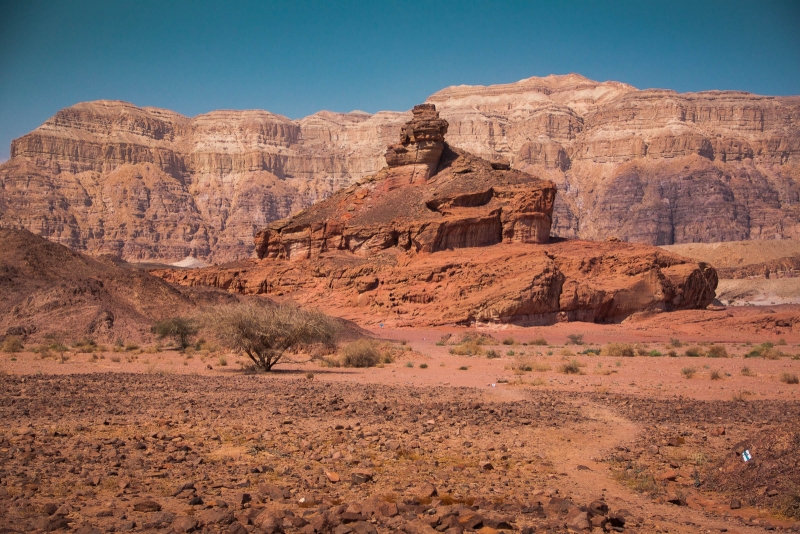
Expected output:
{"points": [[266, 332], [179, 328]]}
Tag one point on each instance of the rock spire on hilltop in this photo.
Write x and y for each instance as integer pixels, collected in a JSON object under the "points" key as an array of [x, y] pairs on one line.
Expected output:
{"points": [[429, 197], [440, 236]]}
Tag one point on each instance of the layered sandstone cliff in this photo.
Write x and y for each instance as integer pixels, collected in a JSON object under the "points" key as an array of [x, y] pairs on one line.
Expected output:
{"points": [[649, 166]]}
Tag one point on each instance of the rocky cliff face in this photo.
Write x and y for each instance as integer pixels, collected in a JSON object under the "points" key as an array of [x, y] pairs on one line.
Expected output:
{"points": [[649, 166]]}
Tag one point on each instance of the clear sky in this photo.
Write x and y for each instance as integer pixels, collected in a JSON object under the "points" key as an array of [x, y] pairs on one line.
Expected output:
{"points": [[297, 57]]}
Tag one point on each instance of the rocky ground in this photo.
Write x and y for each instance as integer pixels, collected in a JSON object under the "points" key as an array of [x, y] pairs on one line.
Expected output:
{"points": [[145, 451]]}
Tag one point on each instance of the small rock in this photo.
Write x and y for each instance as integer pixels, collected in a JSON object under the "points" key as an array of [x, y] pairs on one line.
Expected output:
{"points": [[360, 477], [184, 523], [146, 506]]}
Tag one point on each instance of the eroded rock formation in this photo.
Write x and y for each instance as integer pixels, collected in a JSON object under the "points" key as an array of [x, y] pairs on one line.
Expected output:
{"points": [[649, 166], [430, 197], [505, 283], [466, 244]]}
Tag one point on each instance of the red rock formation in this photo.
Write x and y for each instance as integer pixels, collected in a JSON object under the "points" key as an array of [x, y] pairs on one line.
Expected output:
{"points": [[648, 166], [429, 198], [466, 244], [507, 283]]}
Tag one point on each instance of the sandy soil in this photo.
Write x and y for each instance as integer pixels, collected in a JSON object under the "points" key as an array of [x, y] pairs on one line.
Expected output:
{"points": [[632, 432], [759, 291], [737, 253]]}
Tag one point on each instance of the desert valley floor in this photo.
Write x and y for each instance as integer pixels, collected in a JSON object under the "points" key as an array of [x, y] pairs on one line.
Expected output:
{"points": [[538, 438]]}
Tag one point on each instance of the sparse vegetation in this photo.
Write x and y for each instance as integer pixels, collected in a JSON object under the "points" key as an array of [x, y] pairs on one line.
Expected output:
{"points": [[539, 342], [688, 372], [694, 352], [491, 354], [362, 353], [265, 333], [617, 350], [789, 378], [509, 341], [409, 364], [675, 343], [179, 328], [717, 351], [746, 372], [766, 351], [469, 347], [715, 375], [575, 339], [423, 366], [223, 361], [463, 368], [12, 344], [571, 368]]}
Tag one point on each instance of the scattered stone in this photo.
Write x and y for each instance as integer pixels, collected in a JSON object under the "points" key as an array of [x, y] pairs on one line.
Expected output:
{"points": [[146, 506]]}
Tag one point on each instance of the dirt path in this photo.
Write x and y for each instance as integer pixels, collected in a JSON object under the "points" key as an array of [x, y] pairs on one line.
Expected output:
{"points": [[578, 451]]}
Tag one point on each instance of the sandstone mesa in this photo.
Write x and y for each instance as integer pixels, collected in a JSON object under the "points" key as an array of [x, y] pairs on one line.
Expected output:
{"points": [[647, 166]]}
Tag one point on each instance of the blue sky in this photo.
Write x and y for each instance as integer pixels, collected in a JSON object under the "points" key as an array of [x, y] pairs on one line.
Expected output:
{"points": [[298, 57]]}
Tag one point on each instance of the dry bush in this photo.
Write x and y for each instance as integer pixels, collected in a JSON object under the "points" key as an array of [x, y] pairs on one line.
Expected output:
{"points": [[766, 351], [617, 350], [688, 372], [694, 352], [509, 341], [789, 378], [179, 328], [360, 353], [265, 333], [539, 342], [571, 368], [575, 339], [716, 375], [85, 346], [746, 372], [467, 348], [717, 351], [12, 344]]}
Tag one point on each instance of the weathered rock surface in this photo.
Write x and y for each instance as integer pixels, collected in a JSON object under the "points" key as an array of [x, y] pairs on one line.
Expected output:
{"points": [[430, 197], [466, 244], [651, 166], [521, 284]]}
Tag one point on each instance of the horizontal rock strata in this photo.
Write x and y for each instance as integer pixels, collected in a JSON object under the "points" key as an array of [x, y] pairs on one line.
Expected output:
{"points": [[650, 166]]}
